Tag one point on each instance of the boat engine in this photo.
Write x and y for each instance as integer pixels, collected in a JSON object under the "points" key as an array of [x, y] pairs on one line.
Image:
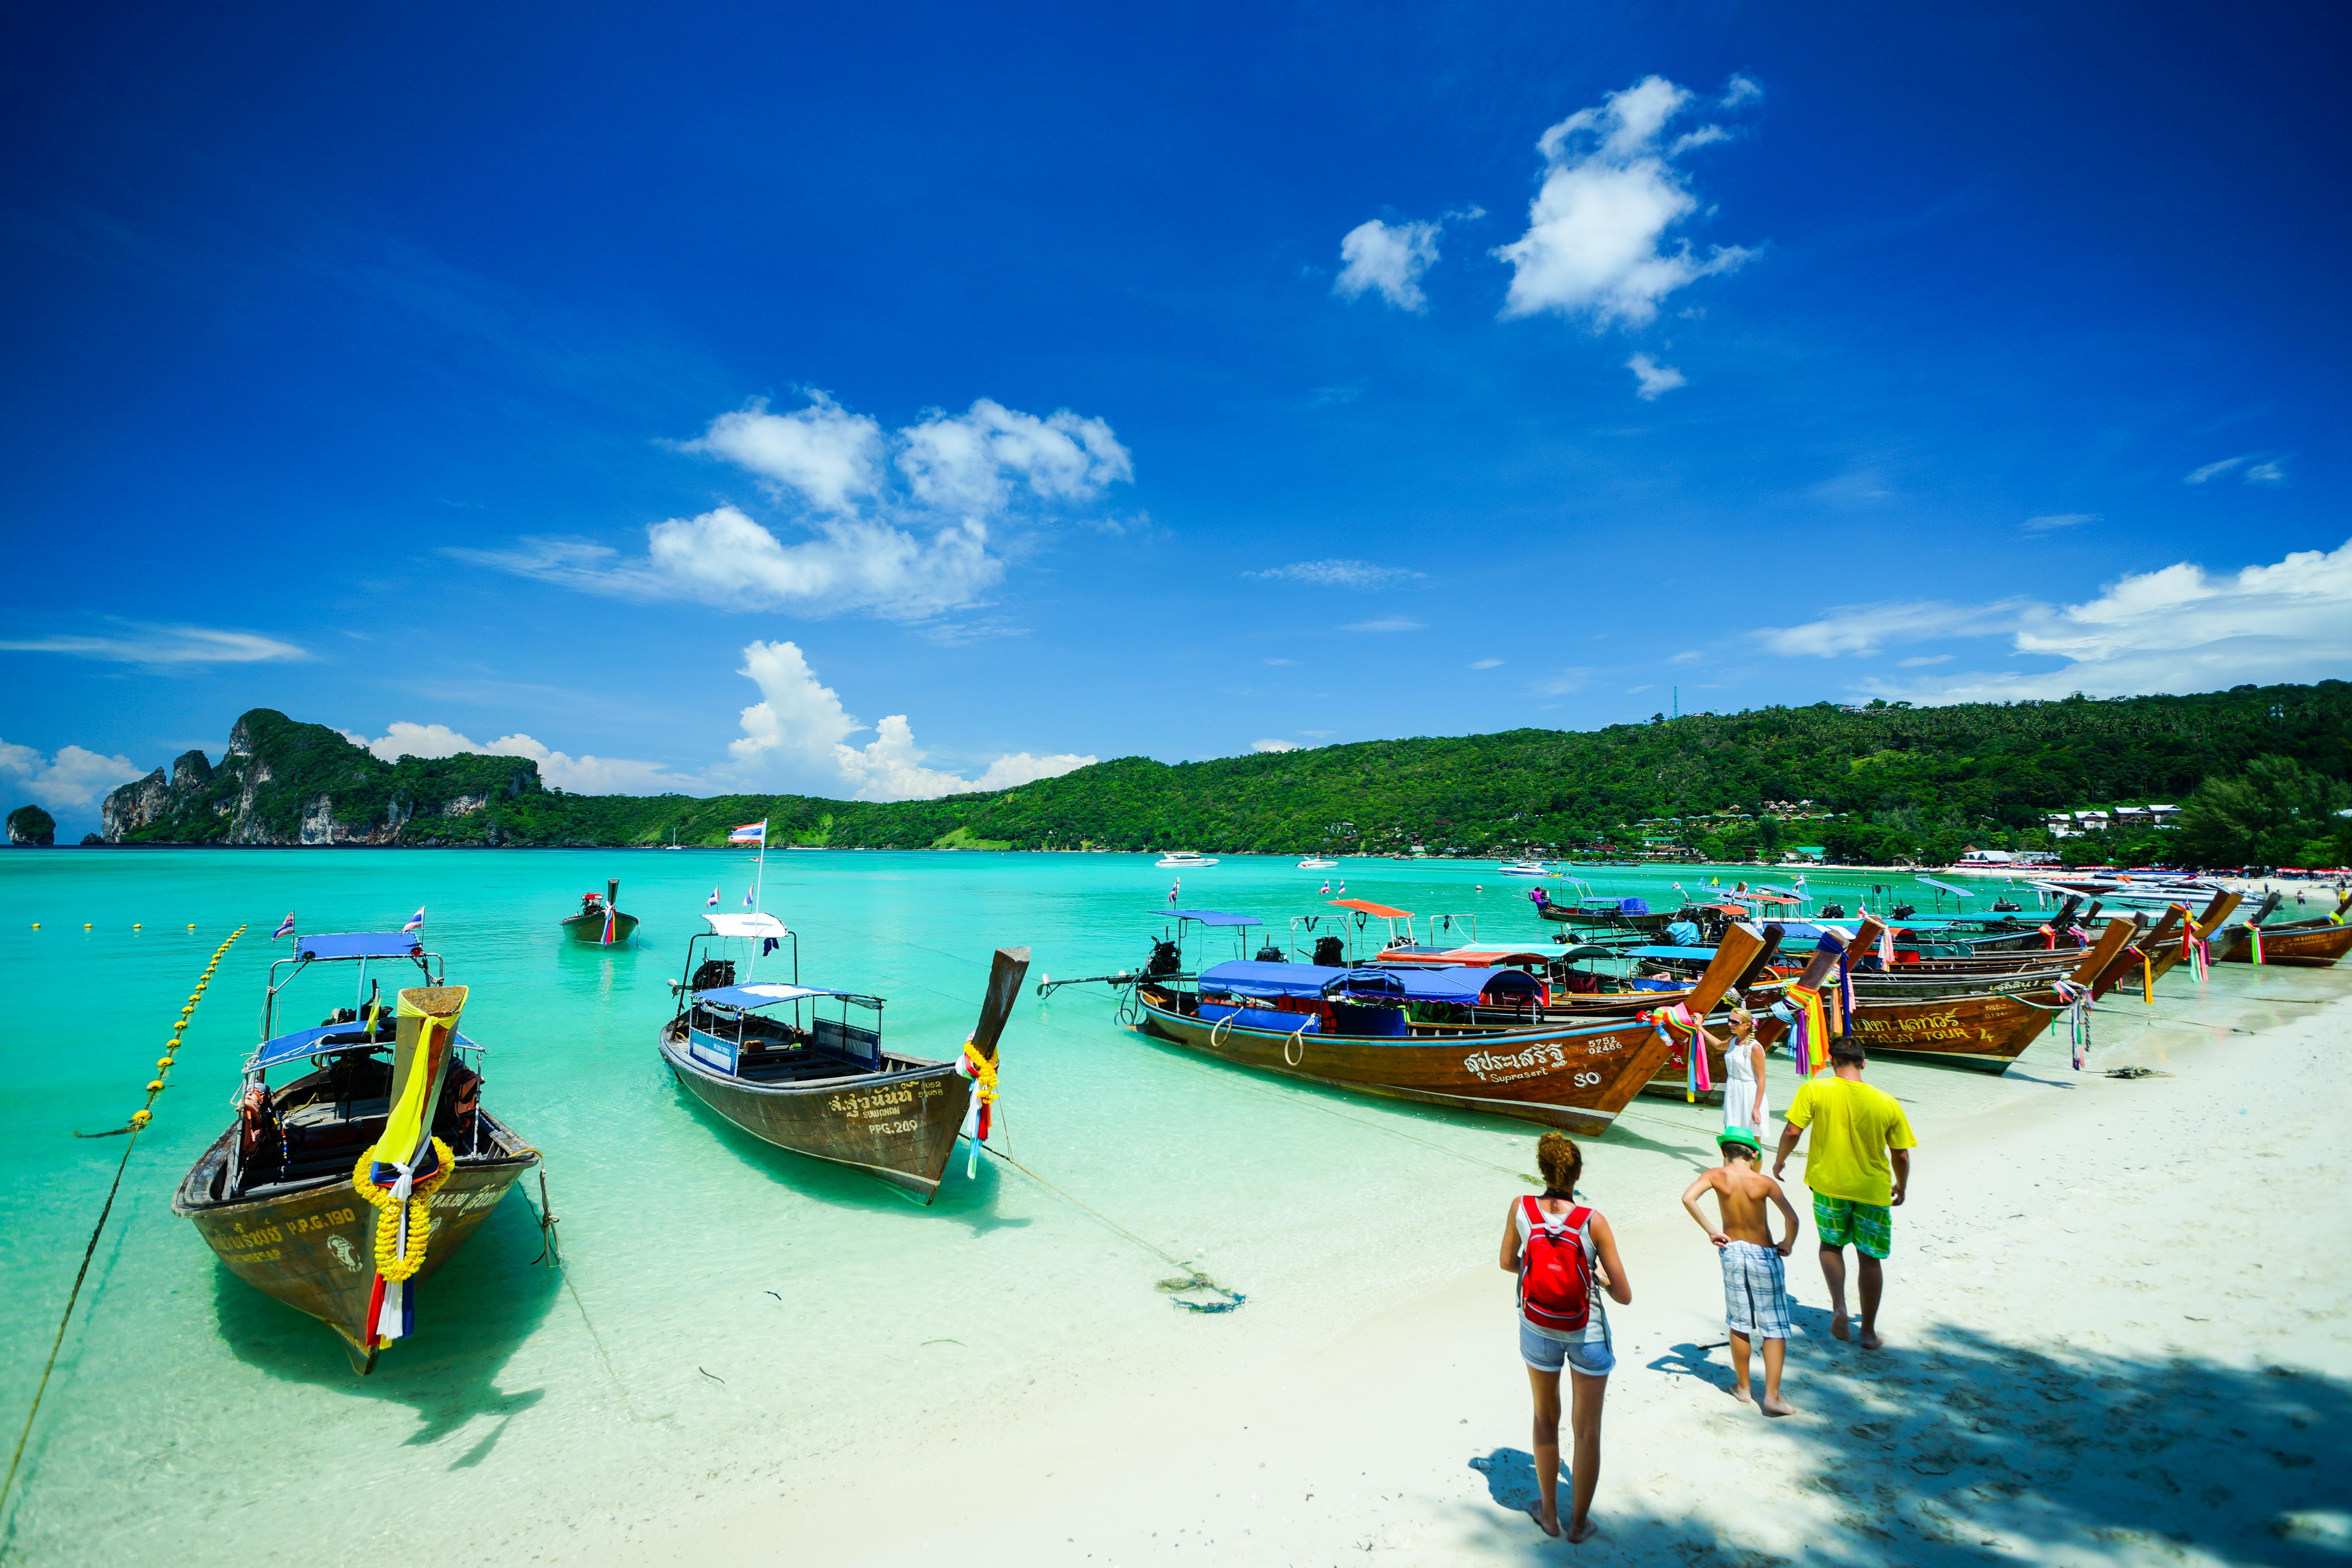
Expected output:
{"points": [[1905, 911], [1270, 953], [1165, 959], [1833, 911], [1330, 953], [712, 973]]}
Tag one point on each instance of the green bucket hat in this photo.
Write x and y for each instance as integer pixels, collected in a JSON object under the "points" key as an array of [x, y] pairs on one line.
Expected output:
{"points": [[1741, 1137]]}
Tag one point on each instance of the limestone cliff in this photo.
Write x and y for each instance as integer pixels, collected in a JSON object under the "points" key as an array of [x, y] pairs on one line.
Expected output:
{"points": [[284, 783], [31, 828]]}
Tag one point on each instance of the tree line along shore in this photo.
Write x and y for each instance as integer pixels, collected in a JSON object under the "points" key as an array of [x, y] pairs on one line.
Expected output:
{"points": [[2260, 772]]}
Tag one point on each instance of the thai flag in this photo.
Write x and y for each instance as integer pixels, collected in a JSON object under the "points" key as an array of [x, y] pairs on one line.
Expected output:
{"points": [[417, 920], [1343, 887], [747, 898], [749, 833], [711, 902], [1174, 891], [1327, 884], [285, 927]]}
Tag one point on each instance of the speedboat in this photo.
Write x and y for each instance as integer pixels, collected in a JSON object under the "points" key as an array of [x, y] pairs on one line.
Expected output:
{"points": [[1524, 869], [1184, 860], [1312, 863]]}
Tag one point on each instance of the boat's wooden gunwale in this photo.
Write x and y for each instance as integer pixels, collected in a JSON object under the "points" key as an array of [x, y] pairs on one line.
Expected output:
{"points": [[2309, 945]]}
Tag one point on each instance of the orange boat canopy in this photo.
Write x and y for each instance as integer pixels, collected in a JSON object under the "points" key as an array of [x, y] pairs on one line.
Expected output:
{"points": [[1365, 906]]}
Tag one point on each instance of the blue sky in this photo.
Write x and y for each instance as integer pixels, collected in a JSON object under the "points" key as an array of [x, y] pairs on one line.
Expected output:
{"points": [[872, 403]]}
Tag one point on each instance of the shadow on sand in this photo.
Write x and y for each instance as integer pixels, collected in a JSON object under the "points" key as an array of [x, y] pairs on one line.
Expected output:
{"points": [[1975, 1451], [471, 1316]]}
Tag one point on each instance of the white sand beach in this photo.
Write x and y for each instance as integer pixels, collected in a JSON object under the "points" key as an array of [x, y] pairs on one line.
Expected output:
{"points": [[2115, 1325]]}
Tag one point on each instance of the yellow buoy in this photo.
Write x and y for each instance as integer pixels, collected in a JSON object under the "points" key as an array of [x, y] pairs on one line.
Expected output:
{"points": [[191, 925], [84, 925], [163, 1062], [155, 1086], [135, 926]]}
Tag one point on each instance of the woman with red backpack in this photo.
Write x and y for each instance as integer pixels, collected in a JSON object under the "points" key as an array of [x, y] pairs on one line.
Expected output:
{"points": [[1565, 1255]]}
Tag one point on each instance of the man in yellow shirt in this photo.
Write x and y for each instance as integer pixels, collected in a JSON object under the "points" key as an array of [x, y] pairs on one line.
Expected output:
{"points": [[1859, 1164]]}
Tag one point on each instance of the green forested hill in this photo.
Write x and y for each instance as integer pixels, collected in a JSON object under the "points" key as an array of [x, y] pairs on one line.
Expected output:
{"points": [[1900, 780]]}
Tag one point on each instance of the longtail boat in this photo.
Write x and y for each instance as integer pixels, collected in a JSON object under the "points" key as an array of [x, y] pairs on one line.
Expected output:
{"points": [[762, 1054], [1985, 1030], [1353, 1028], [2309, 943], [291, 1198], [600, 920]]}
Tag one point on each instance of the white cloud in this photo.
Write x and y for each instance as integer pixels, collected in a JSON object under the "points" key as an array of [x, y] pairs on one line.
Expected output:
{"points": [[2212, 470], [968, 463], [2268, 474], [1561, 682], [1920, 661], [1739, 90], [166, 646], [2177, 630], [1275, 746], [1866, 628], [798, 732], [909, 550], [1688, 655], [580, 776], [2050, 523], [1655, 379], [1486, 663], [74, 777], [1280, 662], [1388, 258], [1596, 228], [825, 454], [1387, 624], [1338, 574]]}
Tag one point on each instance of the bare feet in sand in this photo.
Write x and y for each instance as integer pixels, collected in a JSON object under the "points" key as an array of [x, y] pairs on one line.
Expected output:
{"points": [[1870, 1340], [1837, 1326], [1549, 1526], [1777, 1406], [1581, 1531], [1741, 1394]]}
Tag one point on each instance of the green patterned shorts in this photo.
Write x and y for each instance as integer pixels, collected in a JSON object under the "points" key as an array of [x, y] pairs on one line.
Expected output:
{"points": [[1870, 1226]]}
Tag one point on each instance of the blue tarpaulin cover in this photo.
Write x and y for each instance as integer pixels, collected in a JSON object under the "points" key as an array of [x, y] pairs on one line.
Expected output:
{"points": [[360, 944], [759, 993], [1687, 954], [326, 1037], [1211, 918]]}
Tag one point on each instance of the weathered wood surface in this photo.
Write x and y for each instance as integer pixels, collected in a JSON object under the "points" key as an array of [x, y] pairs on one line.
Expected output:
{"points": [[314, 1248]]}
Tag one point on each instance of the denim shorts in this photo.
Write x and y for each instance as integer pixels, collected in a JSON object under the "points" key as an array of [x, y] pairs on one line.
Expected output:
{"points": [[1593, 1357]]}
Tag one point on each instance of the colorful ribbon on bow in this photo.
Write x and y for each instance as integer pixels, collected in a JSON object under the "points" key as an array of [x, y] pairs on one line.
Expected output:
{"points": [[2074, 1002], [982, 1070], [1697, 1078], [1809, 1031]]}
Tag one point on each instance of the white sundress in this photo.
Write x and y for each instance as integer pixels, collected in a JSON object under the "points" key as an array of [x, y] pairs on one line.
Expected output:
{"points": [[1743, 1097]]}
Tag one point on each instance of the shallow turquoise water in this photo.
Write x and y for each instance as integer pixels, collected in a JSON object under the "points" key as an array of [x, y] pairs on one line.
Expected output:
{"points": [[727, 1309]]}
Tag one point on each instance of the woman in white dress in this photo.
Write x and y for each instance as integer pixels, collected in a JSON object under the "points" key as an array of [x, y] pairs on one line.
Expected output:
{"points": [[1744, 1103]]}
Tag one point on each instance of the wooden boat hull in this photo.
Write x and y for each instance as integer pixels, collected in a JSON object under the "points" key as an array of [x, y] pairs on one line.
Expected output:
{"points": [[1984, 1032], [2313, 946], [1573, 1076], [314, 1248], [591, 929], [900, 1126]]}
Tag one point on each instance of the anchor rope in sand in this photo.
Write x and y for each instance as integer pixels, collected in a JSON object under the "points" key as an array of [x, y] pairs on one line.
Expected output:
{"points": [[1193, 1278], [135, 1126]]}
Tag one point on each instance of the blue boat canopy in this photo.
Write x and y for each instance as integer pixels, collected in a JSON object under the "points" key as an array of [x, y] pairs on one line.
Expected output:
{"points": [[360, 944], [759, 993], [325, 1038], [1211, 918], [1682, 955], [1460, 986]]}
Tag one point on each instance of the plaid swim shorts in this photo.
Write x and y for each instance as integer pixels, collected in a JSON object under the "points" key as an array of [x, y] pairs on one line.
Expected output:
{"points": [[1755, 1291], [1870, 1226]]}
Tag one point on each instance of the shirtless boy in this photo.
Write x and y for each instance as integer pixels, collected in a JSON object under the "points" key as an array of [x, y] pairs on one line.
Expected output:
{"points": [[1755, 1283]]}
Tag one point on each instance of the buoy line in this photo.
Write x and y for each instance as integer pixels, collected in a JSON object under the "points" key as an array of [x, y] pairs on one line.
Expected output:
{"points": [[136, 1125]]}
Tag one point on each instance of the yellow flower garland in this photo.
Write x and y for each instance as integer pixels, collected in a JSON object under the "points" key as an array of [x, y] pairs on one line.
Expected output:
{"points": [[389, 1263]]}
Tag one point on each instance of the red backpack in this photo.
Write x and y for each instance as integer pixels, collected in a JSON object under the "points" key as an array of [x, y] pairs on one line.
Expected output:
{"points": [[1555, 1274]]}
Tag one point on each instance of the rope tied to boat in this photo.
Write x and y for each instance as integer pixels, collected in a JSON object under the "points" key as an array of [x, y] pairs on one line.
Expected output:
{"points": [[2074, 1004], [1297, 1043], [136, 1125]]}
